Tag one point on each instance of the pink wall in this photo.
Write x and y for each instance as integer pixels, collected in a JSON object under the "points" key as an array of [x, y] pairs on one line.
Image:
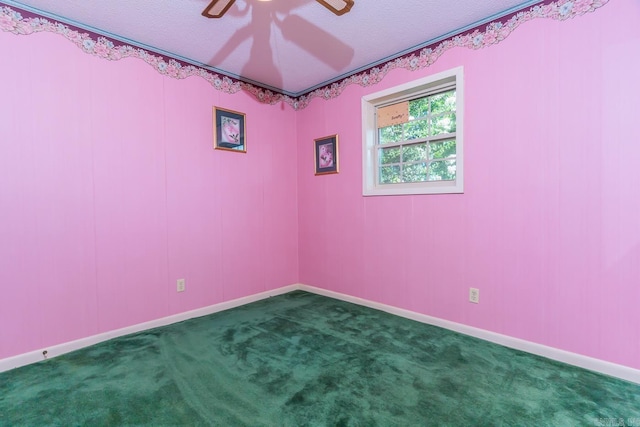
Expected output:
{"points": [[110, 191], [549, 225]]}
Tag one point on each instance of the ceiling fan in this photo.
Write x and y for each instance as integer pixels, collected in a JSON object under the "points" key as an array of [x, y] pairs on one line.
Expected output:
{"points": [[217, 8]]}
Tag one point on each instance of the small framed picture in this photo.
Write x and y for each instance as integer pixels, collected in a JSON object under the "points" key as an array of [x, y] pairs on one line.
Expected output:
{"points": [[229, 132], [326, 155]]}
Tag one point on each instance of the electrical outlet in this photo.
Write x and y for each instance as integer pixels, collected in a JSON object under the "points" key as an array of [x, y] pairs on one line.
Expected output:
{"points": [[180, 285], [474, 295]]}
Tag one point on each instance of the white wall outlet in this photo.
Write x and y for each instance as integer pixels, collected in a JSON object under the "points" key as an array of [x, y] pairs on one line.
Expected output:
{"points": [[474, 295], [180, 285]]}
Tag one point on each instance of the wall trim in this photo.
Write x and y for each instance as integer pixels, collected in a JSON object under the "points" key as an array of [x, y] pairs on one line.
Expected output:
{"points": [[601, 366], [60, 349], [475, 36]]}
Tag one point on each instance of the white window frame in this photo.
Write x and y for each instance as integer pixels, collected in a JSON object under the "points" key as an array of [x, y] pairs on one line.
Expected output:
{"points": [[420, 87]]}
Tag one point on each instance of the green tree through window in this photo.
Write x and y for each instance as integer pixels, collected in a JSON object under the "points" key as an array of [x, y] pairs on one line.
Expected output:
{"points": [[424, 147], [413, 137]]}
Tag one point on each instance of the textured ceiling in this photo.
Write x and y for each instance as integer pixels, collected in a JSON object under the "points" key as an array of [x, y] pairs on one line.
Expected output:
{"points": [[292, 46]]}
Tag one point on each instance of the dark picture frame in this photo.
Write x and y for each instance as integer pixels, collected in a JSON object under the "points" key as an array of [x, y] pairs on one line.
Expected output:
{"points": [[229, 130], [326, 155]]}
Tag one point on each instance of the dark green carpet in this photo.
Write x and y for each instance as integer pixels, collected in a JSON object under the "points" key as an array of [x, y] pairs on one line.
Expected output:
{"points": [[302, 359]]}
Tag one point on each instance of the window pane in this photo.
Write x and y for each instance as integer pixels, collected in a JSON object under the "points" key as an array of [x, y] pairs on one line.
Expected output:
{"points": [[390, 134], [389, 155], [444, 170], [418, 154], [390, 175], [419, 108], [416, 129], [414, 152], [415, 173], [443, 149], [443, 124], [443, 102]]}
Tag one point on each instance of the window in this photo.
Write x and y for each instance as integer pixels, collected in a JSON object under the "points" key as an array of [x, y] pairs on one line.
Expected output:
{"points": [[412, 137]]}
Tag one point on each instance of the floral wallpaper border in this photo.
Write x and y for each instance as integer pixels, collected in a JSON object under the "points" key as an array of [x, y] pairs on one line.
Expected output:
{"points": [[16, 22]]}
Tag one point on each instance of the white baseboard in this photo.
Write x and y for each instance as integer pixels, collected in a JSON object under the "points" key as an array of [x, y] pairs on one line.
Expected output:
{"points": [[59, 349], [590, 363], [597, 365]]}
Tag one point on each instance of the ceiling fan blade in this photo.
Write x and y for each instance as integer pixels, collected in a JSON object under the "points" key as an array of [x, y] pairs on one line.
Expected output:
{"points": [[217, 8], [339, 7]]}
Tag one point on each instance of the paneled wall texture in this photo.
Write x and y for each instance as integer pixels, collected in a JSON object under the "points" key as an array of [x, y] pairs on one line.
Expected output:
{"points": [[110, 191]]}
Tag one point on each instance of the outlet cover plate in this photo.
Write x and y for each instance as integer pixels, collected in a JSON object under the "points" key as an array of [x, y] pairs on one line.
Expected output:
{"points": [[474, 295]]}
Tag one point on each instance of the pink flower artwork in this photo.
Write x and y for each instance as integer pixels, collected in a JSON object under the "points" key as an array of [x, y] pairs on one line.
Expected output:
{"points": [[325, 156], [230, 130]]}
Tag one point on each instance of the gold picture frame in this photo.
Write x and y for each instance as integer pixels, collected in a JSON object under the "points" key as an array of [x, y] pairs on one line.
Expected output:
{"points": [[326, 155], [229, 130]]}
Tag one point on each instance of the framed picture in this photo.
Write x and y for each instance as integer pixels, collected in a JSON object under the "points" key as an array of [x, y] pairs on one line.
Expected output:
{"points": [[229, 131], [326, 155]]}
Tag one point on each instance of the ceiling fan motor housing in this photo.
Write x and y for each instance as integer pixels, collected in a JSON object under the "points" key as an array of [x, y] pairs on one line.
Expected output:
{"points": [[217, 8]]}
